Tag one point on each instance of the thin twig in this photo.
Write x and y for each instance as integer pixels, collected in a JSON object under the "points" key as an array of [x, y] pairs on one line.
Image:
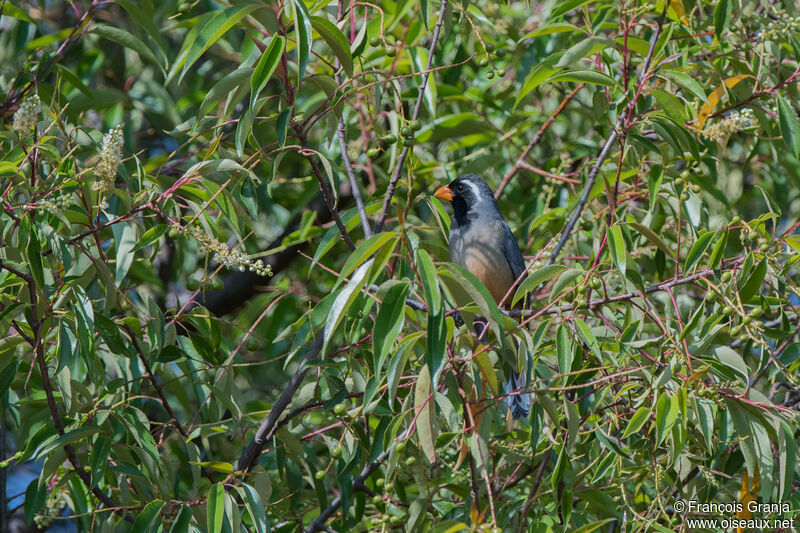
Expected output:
{"points": [[348, 166], [536, 138], [398, 169], [327, 191], [612, 138], [267, 428]]}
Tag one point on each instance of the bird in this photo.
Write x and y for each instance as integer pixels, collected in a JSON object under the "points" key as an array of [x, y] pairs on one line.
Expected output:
{"points": [[482, 243]]}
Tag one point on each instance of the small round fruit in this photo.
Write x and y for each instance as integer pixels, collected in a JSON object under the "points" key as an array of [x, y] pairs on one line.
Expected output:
{"points": [[685, 174], [483, 61], [490, 75], [684, 196], [407, 141], [339, 409], [742, 338], [336, 452], [695, 188], [319, 475], [395, 520], [501, 72], [501, 52], [390, 51], [405, 131], [757, 312], [374, 41], [377, 500], [401, 446], [726, 276], [372, 153], [736, 331], [710, 296], [679, 183], [582, 289], [174, 233], [380, 482], [735, 220], [410, 460], [193, 284], [763, 247], [389, 138], [415, 125], [596, 283], [727, 310], [746, 320], [489, 47], [217, 284], [389, 487]]}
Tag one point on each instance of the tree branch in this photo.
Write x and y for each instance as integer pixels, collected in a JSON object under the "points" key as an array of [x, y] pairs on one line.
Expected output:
{"points": [[621, 123], [536, 138], [387, 200]]}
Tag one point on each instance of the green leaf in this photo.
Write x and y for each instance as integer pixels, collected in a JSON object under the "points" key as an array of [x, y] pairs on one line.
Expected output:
{"points": [[223, 87], [697, 251], [365, 250], [685, 82], [534, 279], [150, 236], [584, 48], [34, 252], [722, 16], [127, 40], [35, 495], [639, 418], [302, 29], [718, 252], [730, 358], [563, 349], [584, 76], [265, 67], [753, 284], [181, 523], [255, 506], [588, 336], [216, 466], [388, 323], [215, 511], [207, 32], [98, 459], [790, 129], [424, 409], [548, 29], [125, 237], [344, 300], [667, 411], [617, 248], [149, 520], [651, 236], [538, 75], [336, 41], [281, 126]]}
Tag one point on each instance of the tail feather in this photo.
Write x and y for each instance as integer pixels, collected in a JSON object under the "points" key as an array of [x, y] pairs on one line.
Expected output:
{"points": [[518, 402]]}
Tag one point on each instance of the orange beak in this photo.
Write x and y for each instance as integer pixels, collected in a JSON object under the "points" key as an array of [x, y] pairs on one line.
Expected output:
{"points": [[444, 193]]}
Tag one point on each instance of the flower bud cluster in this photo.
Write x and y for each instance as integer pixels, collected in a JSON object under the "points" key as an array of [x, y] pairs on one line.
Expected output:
{"points": [[231, 259], [733, 123], [110, 158], [26, 116]]}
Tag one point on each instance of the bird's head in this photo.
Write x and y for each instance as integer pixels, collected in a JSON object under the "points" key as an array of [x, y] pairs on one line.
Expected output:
{"points": [[469, 195]]}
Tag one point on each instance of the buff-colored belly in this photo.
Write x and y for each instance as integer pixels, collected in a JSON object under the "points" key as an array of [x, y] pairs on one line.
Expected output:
{"points": [[486, 263]]}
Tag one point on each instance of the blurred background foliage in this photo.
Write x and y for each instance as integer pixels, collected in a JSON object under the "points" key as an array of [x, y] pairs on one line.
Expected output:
{"points": [[219, 314]]}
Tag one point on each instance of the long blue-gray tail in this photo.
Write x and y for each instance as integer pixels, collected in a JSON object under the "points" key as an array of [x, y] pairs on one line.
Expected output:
{"points": [[519, 402]]}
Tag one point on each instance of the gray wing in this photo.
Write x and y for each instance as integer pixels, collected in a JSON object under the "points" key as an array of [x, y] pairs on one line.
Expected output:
{"points": [[513, 253]]}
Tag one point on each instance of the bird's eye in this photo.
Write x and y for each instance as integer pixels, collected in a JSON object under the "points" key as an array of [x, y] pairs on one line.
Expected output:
{"points": [[460, 187]]}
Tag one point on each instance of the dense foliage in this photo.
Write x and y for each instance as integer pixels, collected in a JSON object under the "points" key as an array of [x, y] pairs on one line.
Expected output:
{"points": [[226, 302]]}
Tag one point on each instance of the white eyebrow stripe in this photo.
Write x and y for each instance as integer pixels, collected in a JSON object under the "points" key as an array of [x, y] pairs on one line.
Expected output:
{"points": [[476, 191]]}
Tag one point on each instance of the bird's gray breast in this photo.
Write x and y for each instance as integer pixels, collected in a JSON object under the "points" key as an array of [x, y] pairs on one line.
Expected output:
{"points": [[479, 247]]}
